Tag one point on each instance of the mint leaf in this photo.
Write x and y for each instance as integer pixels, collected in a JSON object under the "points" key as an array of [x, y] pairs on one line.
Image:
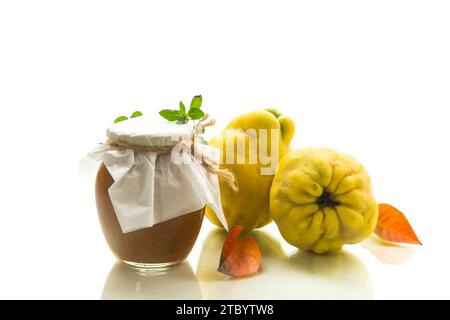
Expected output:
{"points": [[136, 114], [171, 115], [121, 118], [183, 119], [182, 107], [195, 114], [196, 102]]}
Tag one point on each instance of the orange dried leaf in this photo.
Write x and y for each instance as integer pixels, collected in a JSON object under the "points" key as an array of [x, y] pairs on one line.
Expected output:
{"points": [[240, 256], [394, 227]]}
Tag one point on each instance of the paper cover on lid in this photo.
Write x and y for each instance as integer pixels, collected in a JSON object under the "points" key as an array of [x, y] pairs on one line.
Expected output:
{"points": [[146, 131], [150, 188]]}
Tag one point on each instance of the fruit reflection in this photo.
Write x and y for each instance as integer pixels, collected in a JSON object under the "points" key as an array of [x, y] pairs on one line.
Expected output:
{"points": [[177, 282], [215, 285], [301, 276], [212, 247], [388, 253], [332, 276]]}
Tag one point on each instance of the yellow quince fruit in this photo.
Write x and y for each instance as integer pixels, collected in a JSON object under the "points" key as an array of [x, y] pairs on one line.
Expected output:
{"points": [[251, 150], [322, 199]]}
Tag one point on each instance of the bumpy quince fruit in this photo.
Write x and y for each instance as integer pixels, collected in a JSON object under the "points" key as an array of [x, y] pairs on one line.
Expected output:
{"points": [[249, 207], [322, 199]]}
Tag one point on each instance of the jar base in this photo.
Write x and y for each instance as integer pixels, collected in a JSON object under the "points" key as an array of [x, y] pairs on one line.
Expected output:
{"points": [[151, 266]]}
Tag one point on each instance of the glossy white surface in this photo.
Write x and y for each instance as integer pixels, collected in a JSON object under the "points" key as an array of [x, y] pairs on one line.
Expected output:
{"points": [[369, 78], [367, 271]]}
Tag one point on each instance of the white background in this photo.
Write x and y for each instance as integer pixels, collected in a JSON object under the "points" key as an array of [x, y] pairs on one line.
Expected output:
{"points": [[370, 78]]}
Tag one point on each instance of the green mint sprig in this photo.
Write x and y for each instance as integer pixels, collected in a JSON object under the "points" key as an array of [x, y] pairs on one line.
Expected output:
{"points": [[181, 116], [133, 115]]}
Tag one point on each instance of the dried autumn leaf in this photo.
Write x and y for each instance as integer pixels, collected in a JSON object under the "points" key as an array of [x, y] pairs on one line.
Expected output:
{"points": [[394, 227], [240, 256]]}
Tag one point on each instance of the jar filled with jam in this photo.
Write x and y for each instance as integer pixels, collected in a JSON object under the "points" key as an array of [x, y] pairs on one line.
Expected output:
{"points": [[151, 190]]}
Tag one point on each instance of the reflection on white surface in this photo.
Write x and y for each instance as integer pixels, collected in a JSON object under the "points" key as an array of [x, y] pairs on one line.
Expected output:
{"points": [[388, 253], [301, 276], [332, 276], [178, 282]]}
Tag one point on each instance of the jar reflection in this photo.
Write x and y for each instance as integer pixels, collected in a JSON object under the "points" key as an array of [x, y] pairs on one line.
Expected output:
{"points": [[177, 282]]}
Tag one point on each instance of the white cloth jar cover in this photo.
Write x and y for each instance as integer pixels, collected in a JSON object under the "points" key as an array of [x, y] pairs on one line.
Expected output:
{"points": [[149, 188]]}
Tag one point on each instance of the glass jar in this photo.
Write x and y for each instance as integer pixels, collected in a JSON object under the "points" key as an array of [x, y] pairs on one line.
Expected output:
{"points": [[149, 203], [161, 245]]}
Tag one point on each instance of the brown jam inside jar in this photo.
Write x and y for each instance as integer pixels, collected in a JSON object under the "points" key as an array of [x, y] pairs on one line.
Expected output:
{"points": [[164, 243]]}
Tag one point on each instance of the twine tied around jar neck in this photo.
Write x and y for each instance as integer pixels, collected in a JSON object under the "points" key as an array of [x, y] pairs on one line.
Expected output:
{"points": [[208, 163]]}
